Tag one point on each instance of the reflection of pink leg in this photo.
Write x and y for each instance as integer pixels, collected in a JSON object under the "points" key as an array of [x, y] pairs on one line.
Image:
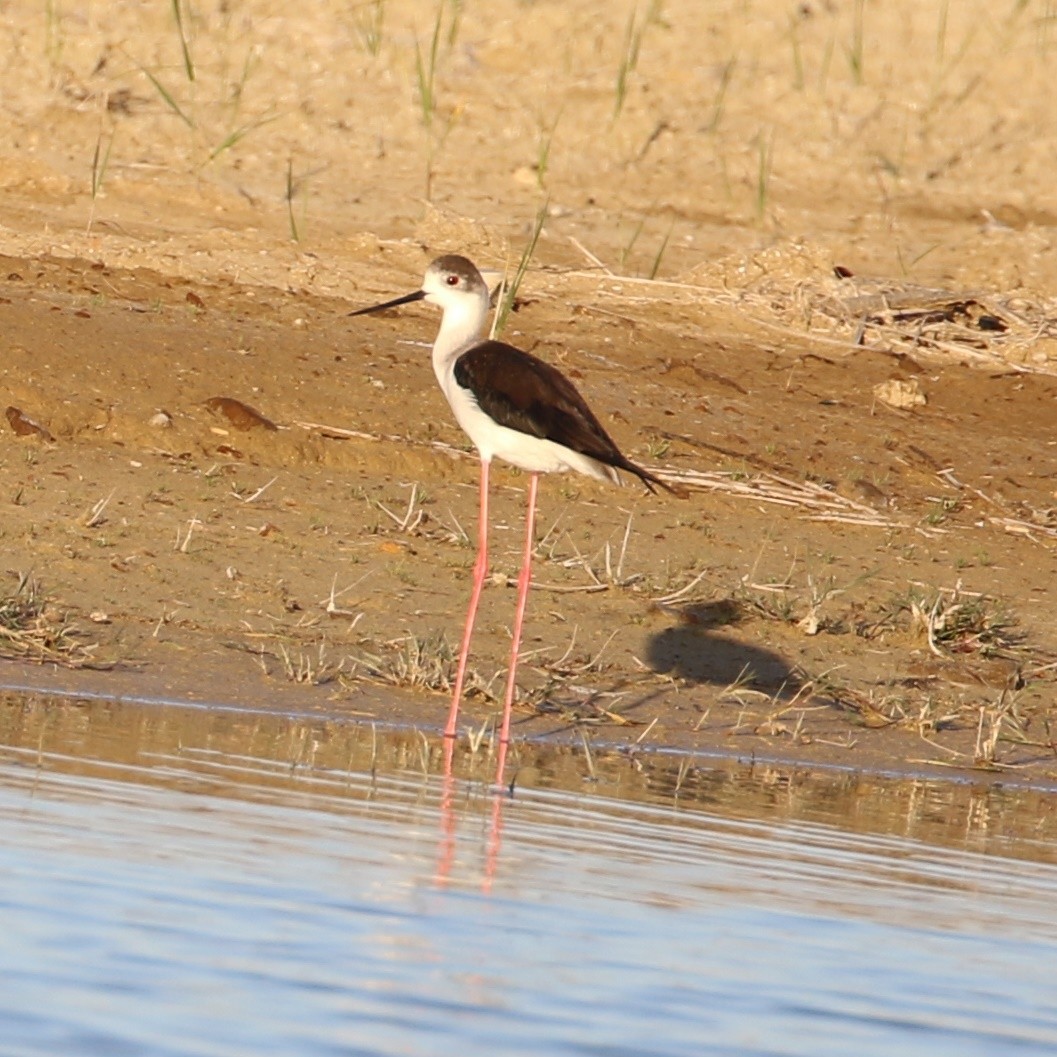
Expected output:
{"points": [[519, 618], [480, 571], [500, 766], [446, 846], [495, 842]]}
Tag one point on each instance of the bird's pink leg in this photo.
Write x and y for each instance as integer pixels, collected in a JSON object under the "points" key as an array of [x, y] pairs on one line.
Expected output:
{"points": [[519, 618], [480, 571]]}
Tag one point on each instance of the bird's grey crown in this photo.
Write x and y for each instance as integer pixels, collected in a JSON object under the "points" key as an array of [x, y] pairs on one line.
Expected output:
{"points": [[453, 264]]}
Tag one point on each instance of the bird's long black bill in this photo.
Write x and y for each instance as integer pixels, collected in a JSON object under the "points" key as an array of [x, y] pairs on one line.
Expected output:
{"points": [[416, 296]]}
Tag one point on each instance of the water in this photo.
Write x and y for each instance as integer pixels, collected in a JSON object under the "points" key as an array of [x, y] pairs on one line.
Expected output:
{"points": [[186, 881]]}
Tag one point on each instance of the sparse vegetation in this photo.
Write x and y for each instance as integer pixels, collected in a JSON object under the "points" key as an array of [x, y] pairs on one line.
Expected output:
{"points": [[100, 163], [312, 666], [856, 46], [634, 33], [426, 68], [31, 628], [544, 143], [370, 23], [764, 155], [510, 290], [953, 622], [418, 663]]}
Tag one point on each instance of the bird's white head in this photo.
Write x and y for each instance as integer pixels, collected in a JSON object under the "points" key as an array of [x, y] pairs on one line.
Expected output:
{"points": [[452, 280], [456, 286]]}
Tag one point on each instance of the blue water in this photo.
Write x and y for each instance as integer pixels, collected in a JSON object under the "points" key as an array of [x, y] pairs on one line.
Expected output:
{"points": [[177, 899]]}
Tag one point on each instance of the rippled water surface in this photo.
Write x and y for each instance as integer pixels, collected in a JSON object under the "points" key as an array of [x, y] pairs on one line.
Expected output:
{"points": [[187, 881]]}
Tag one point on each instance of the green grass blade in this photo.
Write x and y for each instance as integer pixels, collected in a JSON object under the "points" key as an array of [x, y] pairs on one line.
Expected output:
{"points": [[189, 66], [660, 252], [240, 133], [506, 305], [167, 96], [100, 164]]}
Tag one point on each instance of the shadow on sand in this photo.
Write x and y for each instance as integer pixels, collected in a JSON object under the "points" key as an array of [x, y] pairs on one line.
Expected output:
{"points": [[695, 649]]}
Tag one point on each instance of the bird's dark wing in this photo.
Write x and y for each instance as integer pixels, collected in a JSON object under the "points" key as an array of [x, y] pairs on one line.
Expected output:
{"points": [[523, 393], [530, 396]]}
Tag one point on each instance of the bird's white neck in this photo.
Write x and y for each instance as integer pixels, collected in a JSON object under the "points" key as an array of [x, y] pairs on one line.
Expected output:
{"points": [[460, 328]]}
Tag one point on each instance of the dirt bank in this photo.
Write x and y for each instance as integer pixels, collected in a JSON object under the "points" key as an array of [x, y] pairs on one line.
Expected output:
{"points": [[865, 570]]}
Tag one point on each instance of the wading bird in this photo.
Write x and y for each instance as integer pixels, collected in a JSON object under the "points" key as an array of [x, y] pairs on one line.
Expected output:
{"points": [[514, 407]]}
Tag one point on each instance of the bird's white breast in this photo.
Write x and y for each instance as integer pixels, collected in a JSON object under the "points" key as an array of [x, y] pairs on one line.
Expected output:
{"points": [[524, 450]]}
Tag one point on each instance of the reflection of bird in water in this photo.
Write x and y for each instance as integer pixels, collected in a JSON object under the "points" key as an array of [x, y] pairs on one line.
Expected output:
{"points": [[446, 847]]}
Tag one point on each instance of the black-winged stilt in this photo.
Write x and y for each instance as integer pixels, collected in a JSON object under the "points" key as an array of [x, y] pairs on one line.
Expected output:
{"points": [[515, 407]]}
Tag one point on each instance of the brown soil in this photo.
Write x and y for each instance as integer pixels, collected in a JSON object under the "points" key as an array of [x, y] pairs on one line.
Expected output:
{"points": [[865, 570]]}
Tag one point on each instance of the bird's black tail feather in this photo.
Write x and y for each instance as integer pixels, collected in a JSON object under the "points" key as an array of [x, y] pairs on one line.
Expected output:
{"points": [[652, 481]]}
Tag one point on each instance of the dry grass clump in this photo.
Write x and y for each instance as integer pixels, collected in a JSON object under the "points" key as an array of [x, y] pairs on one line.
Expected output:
{"points": [[953, 622], [988, 328], [309, 667], [418, 663], [31, 629]]}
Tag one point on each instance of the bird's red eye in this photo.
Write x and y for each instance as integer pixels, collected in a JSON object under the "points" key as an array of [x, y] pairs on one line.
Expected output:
{"points": [[452, 280]]}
